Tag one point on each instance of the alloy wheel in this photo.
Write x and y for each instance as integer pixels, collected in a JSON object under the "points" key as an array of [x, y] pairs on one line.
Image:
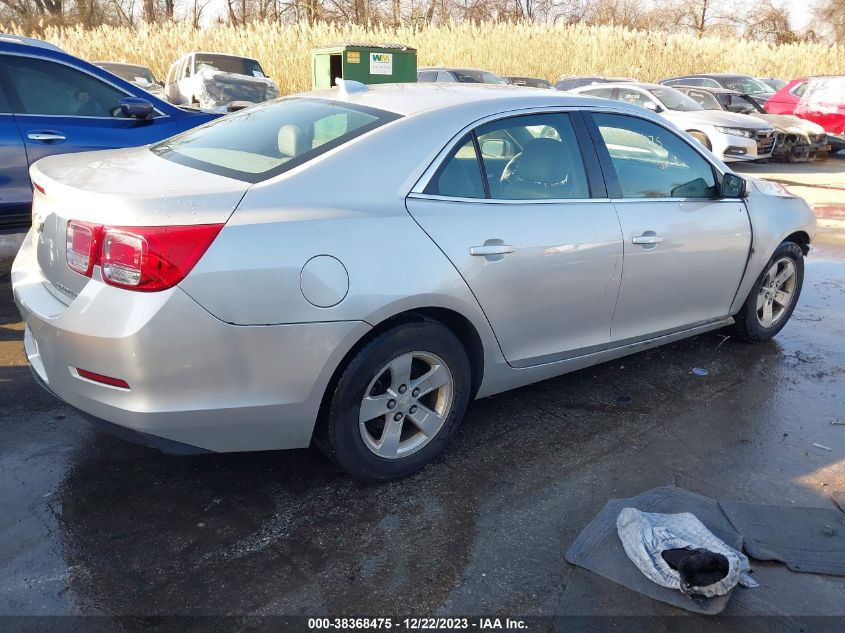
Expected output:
{"points": [[406, 404], [777, 292]]}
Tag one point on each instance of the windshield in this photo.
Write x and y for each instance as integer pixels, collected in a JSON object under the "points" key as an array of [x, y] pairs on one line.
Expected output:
{"points": [[740, 104], [265, 140], [130, 72], [228, 64], [675, 99], [478, 77], [745, 85]]}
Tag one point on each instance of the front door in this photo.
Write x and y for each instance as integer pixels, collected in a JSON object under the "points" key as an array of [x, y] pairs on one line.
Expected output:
{"points": [[62, 109], [15, 190], [685, 248], [541, 253]]}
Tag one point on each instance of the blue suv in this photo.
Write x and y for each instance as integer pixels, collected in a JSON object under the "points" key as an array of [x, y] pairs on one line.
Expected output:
{"points": [[53, 103]]}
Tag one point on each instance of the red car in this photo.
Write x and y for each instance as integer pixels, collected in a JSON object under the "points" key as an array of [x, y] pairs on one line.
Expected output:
{"points": [[817, 99]]}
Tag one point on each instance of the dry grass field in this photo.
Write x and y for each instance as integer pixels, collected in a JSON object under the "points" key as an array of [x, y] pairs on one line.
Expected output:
{"points": [[526, 49]]}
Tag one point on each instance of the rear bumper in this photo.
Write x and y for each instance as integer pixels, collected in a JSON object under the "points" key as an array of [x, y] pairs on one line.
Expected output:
{"points": [[193, 379]]}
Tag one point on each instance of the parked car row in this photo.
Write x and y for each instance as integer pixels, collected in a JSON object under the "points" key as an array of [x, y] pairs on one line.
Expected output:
{"points": [[792, 124], [54, 103]]}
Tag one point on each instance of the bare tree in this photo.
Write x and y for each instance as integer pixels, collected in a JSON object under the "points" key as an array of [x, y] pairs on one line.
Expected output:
{"points": [[831, 13]]}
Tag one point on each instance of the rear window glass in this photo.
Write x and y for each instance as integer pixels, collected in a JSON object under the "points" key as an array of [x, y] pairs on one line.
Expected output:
{"points": [[266, 140], [229, 64]]}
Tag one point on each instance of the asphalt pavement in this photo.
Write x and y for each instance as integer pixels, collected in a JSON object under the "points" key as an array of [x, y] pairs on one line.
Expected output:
{"points": [[91, 525]]}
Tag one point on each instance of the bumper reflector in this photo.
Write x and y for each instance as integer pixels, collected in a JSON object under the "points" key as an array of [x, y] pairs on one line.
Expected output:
{"points": [[106, 380]]}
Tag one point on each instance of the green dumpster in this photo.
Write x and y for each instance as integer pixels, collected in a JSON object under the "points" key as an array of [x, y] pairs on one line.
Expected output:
{"points": [[367, 63]]}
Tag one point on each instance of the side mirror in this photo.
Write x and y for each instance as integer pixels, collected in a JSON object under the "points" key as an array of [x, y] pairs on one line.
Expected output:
{"points": [[494, 148], [654, 107], [733, 186], [136, 108]]}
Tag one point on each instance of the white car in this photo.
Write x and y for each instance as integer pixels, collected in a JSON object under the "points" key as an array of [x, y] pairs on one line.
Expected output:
{"points": [[731, 136], [219, 82]]}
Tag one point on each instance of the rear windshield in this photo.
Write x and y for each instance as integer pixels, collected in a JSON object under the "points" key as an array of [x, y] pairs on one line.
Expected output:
{"points": [[129, 72], [478, 77], [673, 99], [268, 139], [745, 85], [229, 64]]}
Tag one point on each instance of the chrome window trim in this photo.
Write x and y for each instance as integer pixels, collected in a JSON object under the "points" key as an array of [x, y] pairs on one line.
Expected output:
{"points": [[86, 72], [417, 191], [439, 198]]}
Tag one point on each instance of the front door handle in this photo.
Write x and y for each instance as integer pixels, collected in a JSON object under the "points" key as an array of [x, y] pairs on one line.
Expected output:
{"points": [[46, 137], [647, 238], [491, 249]]}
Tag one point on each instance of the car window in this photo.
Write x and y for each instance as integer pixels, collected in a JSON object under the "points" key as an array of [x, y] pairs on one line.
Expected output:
{"points": [[130, 72], [267, 139], [800, 89], [705, 99], [4, 103], [674, 99], [745, 85], [445, 76], [741, 105], [229, 64], [635, 97], [652, 162], [45, 87], [460, 175], [426, 75], [604, 93], [691, 81], [532, 157]]}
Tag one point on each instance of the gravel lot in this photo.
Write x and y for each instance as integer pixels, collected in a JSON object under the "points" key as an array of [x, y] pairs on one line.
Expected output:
{"points": [[92, 525]]}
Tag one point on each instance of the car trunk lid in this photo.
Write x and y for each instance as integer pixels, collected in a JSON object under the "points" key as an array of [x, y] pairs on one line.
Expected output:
{"points": [[131, 187]]}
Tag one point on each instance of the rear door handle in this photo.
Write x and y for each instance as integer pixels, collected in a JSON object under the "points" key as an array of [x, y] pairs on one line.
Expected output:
{"points": [[491, 249], [649, 237], [46, 137]]}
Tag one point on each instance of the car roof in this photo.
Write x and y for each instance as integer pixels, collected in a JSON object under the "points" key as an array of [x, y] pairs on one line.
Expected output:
{"points": [[713, 75], [457, 68], [29, 41], [708, 89], [625, 84], [127, 64], [414, 98]]}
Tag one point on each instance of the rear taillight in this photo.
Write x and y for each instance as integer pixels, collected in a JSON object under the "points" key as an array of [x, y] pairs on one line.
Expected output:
{"points": [[142, 258], [82, 246]]}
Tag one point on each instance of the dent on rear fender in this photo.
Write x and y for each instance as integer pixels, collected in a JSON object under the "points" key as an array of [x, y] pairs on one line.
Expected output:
{"points": [[773, 219]]}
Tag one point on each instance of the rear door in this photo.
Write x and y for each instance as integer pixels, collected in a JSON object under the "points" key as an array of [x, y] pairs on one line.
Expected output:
{"points": [[60, 108], [521, 212], [685, 248], [15, 190]]}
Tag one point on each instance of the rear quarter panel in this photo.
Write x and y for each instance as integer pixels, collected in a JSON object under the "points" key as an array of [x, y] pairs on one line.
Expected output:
{"points": [[349, 204]]}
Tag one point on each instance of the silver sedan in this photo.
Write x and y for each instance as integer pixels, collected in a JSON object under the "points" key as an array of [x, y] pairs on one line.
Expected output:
{"points": [[354, 266]]}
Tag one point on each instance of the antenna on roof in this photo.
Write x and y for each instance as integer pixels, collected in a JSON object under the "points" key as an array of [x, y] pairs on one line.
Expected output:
{"points": [[347, 87]]}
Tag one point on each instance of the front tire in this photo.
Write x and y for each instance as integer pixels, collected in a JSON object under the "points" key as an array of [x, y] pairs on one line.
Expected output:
{"points": [[773, 296], [397, 403]]}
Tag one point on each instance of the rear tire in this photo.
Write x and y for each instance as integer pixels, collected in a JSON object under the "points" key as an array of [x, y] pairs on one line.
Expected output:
{"points": [[397, 403], [768, 308]]}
